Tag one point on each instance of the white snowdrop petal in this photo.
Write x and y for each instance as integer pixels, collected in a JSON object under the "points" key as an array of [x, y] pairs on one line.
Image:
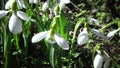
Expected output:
{"points": [[23, 15], [45, 6], [82, 37], [3, 13], [61, 5], [61, 42], [35, 1], [15, 25], [7, 5], [21, 3], [31, 1], [98, 60], [39, 36], [98, 33], [65, 1], [111, 33]]}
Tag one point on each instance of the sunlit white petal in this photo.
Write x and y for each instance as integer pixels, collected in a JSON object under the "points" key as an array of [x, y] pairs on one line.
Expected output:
{"points": [[15, 24], [33, 1], [65, 1], [39, 36], [98, 60], [3, 13], [7, 5], [23, 15], [61, 42], [21, 3], [45, 6], [98, 33], [82, 37], [111, 33]]}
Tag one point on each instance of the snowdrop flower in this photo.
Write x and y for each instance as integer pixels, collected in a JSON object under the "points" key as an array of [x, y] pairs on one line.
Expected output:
{"points": [[51, 39], [20, 3], [82, 37], [98, 33], [62, 3], [93, 21], [112, 33], [15, 25], [45, 6], [98, 60], [33, 1]]}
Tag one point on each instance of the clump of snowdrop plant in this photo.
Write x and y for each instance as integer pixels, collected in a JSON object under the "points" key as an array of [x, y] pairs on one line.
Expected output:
{"points": [[83, 36], [15, 25], [101, 57], [51, 36]]}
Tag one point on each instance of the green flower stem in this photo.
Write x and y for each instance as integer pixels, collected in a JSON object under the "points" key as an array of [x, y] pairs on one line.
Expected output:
{"points": [[17, 42], [53, 26], [108, 25], [76, 28]]}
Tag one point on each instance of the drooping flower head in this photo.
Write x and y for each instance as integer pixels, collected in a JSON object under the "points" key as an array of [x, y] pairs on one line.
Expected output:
{"points": [[51, 36], [15, 25], [98, 60], [99, 34], [82, 37], [62, 3], [101, 57], [20, 3], [56, 38]]}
